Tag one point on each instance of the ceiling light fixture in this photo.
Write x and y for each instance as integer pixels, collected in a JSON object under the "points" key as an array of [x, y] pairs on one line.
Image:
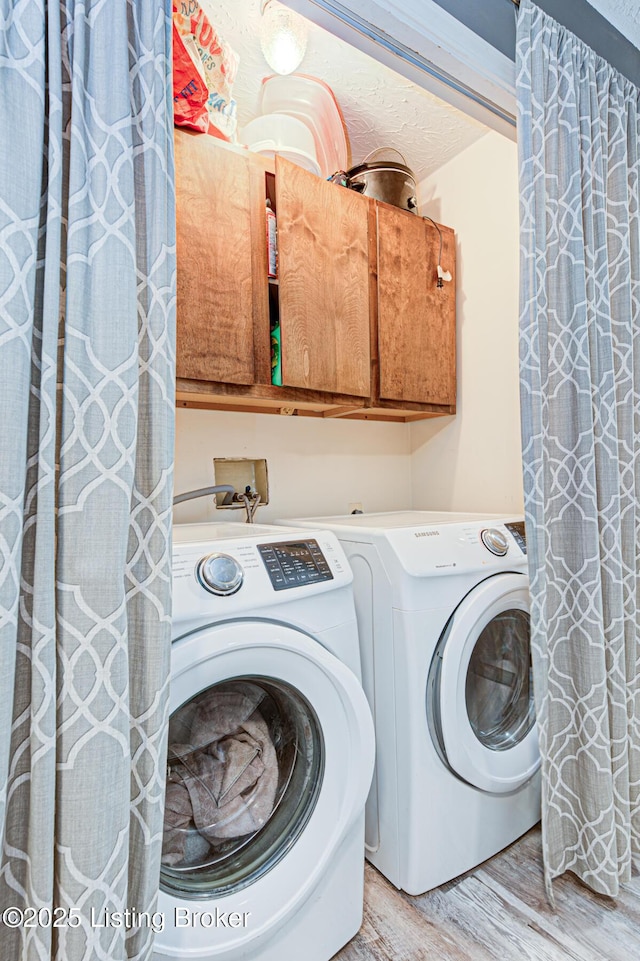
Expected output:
{"points": [[283, 37]]}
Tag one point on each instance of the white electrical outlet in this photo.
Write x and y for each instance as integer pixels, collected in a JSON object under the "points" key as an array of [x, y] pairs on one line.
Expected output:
{"points": [[355, 506]]}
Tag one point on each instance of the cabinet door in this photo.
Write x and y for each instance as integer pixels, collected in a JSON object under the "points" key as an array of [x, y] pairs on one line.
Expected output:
{"points": [[222, 307], [416, 318], [324, 283]]}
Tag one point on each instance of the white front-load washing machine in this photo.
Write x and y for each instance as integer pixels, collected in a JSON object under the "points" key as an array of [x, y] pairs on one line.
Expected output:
{"points": [[443, 614], [271, 749]]}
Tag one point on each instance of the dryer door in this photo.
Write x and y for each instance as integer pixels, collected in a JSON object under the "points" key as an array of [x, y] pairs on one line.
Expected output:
{"points": [[270, 759], [481, 687]]}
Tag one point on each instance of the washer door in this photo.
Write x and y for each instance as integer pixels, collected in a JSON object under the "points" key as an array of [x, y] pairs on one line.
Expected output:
{"points": [[269, 763], [481, 692]]}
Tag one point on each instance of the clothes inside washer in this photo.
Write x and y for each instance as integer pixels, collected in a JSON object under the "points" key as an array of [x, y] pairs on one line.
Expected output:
{"points": [[223, 779]]}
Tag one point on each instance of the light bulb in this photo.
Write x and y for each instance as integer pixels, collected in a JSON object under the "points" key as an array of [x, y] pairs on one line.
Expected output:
{"points": [[283, 37]]}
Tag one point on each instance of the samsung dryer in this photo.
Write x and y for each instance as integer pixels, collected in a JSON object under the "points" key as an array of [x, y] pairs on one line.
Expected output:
{"points": [[443, 613], [270, 752]]}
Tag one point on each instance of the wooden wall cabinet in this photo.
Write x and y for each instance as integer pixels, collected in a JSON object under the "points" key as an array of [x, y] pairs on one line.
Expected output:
{"points": [[323, 250], [365, 332], [416, 318], [222, 302]]}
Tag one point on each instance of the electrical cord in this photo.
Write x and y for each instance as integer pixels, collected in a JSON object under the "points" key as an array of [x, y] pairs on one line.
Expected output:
{"points": [[437, 226], [442, 275]]}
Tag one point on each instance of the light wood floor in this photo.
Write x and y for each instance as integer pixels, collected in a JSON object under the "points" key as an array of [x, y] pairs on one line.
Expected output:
{"points": [[498, 912]]}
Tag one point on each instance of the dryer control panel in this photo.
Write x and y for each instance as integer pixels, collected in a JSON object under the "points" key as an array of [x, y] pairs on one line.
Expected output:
{"points": [[516, 529], [294, 563]]}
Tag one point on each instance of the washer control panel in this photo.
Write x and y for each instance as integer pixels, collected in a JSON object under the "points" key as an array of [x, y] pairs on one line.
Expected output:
{"points": [[294, 563]]}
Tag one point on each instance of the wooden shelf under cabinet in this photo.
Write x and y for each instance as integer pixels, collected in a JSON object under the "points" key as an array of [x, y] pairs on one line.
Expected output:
{"points": [[263, 399]]}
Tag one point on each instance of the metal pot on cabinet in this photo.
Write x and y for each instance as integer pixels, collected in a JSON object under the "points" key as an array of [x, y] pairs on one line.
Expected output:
{"points": [[389, 181]]}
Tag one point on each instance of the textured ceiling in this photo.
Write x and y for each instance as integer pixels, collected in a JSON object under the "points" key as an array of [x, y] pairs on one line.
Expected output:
{"points": [[623, 14], [380, 108]]}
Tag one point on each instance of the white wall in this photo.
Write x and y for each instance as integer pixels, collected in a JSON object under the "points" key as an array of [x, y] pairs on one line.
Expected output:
{"points": [[473, 461], [316, 466]]}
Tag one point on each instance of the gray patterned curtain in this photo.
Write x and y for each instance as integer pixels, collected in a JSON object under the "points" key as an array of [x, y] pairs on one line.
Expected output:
{"points": [[87, 279], [579, 131]]}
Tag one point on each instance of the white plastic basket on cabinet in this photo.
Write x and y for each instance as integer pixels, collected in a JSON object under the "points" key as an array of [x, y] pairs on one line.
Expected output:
{"points": [[311, 101], [278, 134]]}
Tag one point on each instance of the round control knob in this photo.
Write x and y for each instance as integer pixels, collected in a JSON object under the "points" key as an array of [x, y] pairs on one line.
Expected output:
{"points": [[495, 541], [220, 574]]}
